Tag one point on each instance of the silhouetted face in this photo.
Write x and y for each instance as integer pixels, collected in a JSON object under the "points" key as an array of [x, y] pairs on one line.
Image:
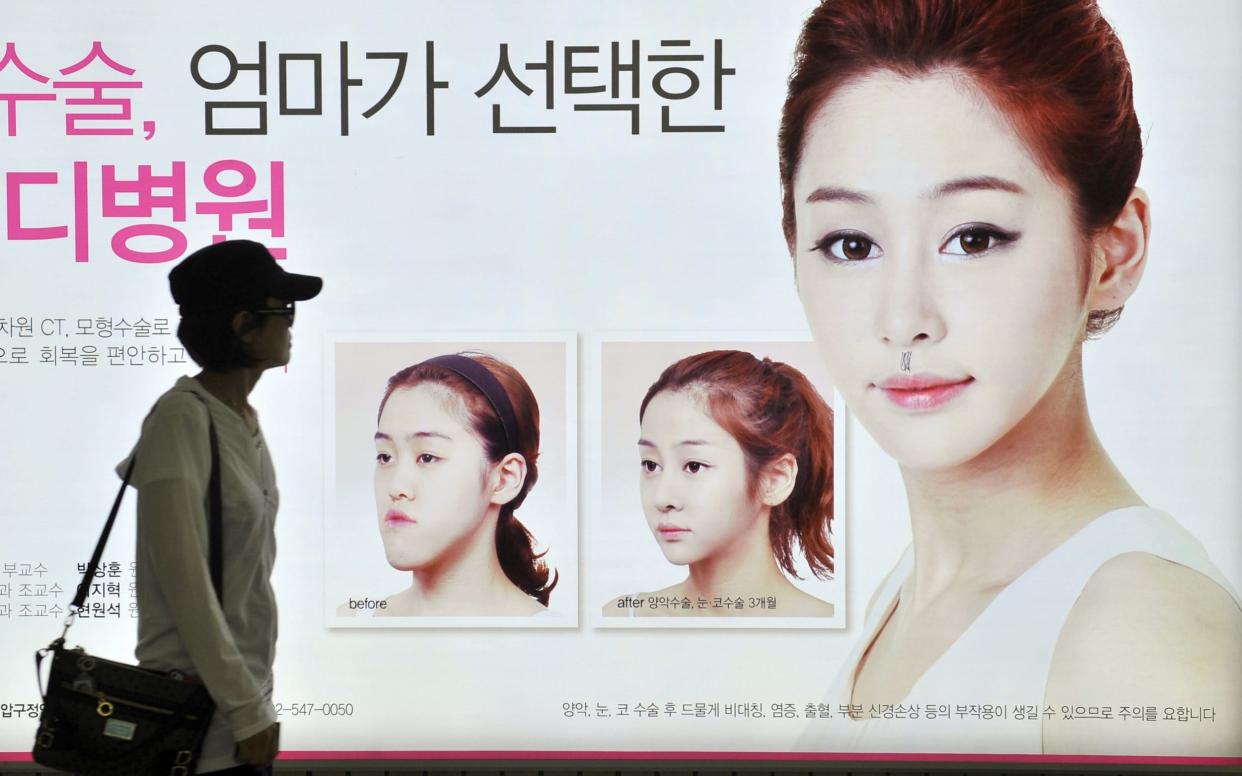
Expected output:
{"points": [[270, 341]]}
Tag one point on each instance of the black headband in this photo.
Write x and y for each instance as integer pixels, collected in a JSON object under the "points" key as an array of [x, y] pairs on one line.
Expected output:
{"points": [[482, 378]]}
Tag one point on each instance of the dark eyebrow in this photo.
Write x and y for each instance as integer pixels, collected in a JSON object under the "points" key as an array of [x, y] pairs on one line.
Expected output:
{"points": [[415, 435], [978, 183], [838, 194], [646, 443]]}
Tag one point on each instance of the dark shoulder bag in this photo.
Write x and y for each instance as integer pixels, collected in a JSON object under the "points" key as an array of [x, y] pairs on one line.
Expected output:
{"points": [[103, 718]]}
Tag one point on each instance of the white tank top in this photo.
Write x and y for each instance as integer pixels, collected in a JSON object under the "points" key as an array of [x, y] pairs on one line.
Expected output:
{"points": [[1003, 658]]}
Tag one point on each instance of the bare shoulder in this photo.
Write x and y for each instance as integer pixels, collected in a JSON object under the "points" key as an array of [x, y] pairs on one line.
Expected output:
{"points": [[635, 604], [1169, 604], [1151, 632], [399, 604], [624, 605], [525, 606]]}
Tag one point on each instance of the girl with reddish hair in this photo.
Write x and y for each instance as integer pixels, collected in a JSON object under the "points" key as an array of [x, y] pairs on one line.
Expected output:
{"points": [[736, 482], [959, 200], [457, 448]]}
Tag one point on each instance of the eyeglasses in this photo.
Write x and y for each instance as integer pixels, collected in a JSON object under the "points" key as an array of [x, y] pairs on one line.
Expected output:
{"points": [[288, 310]]}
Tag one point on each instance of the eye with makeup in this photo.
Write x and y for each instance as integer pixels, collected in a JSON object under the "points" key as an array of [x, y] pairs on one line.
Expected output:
{"points": [[428, 458], [383, 459], [847, 246], [649, 466], [695, 467], [977, 239]]}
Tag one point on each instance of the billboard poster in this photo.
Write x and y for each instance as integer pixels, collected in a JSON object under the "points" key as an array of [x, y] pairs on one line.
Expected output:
{"points": [[861, 376]]}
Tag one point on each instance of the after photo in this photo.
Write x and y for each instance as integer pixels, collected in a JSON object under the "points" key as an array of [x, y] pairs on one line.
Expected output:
{"points": [[716, 487]]}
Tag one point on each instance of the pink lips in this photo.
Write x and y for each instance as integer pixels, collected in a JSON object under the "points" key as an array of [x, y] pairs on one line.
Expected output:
{"points": [[397, 517], [924, 391], [671, 532]]}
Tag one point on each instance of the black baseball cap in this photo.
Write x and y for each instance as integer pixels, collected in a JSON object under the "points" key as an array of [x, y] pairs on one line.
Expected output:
{"points": [[235, 275]]}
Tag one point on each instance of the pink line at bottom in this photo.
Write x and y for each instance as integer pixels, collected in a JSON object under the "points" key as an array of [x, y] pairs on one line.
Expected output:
{"points": [[18, 757]]}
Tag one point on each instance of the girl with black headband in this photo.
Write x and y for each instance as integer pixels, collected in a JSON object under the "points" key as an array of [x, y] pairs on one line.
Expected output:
{"points": [[457, 446]]}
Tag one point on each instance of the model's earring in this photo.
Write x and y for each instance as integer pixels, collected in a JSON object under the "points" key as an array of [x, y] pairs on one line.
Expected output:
{"points": [[905, 360]]}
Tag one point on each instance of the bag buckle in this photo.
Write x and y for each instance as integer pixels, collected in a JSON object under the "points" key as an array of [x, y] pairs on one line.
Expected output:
{"points": [[104, 708], [184, 758], [73, 615]]}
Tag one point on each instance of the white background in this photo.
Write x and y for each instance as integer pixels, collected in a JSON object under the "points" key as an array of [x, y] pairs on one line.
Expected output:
{"points": [[588, 230]]}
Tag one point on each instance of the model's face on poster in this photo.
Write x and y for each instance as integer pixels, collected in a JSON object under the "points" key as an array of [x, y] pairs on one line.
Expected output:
{"points": [[925, 226], [693, 480], [429, 477]]}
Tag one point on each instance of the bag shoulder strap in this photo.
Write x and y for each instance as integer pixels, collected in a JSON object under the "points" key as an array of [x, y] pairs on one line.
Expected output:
{"points": [[215, 517], [215, 525]]}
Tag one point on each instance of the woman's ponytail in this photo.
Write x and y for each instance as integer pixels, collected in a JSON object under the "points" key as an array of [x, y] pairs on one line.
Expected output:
{"points": [[807, 514]]}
